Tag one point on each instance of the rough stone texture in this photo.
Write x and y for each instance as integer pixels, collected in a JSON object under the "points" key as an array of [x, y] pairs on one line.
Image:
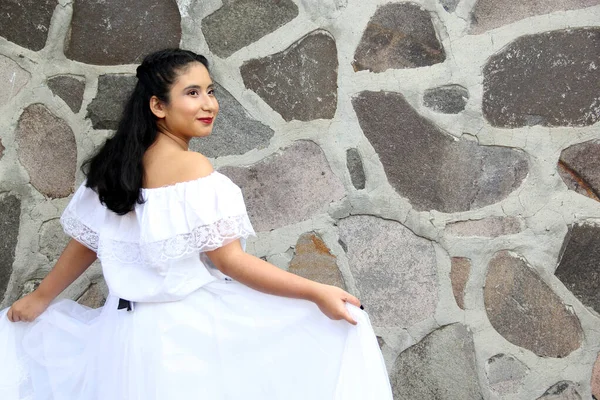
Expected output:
{"points": [[579, 167], [441, 366], [12, 79], [95, 295], [277, 195], [106, 108], [242, 22], [69, 88], [505, 373], [395, 270], [549, 79], [52, 239], [424, 164], [10, 220], [355, 167], [2, 148], [563, 390], [490, 14], [459, 276], [486, 227], [117, 32], [300, 82], [448, 99], [29, 287], [399, 35], [313, 260], [596, 379], [234, 132], [380, 341], [523, 309], [449, 5], [47, 150], [578, 268], [26, 22]]}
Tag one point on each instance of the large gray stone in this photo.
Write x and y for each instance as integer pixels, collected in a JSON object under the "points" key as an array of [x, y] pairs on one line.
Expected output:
{"points": [[441, 366], [12, 79], [69, 88], [579, 265], [278, 194], [395, 270], [53, 240], [234, 132], [448, 99], [449, 5], [239, 23], [300, 82], [106, 108], [355, 167], [399, 35], [548, 79], [313, 260], [48, 151], [486, 227], [579, 167], [429, 167], [10, 220], [523, 309], [121, 32], [563, 390], [26, 22], [505, 373], [490, 14], [459, 276]]}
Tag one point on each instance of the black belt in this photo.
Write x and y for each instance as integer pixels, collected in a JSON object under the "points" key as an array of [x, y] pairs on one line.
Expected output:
{"points": [[125, 304]]}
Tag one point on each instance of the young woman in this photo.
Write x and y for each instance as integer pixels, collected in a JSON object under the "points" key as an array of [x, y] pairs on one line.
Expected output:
{"points": [[190, 315]]}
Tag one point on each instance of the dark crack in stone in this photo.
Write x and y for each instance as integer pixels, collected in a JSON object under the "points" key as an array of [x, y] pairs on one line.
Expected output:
{"points": [[448, 99], [106, 108], [491, 14], [234, 132], [399, 35], [242, 22], [578, 268], [2, 148], [431, 369], [355, 167], [427, 166], [10, 220], [121, 32], [313, 260], [579, 167], [563, 390], [13, 78], [277, 195], [395, 270], [48, 151], [69, 88], [300, 83], [26, 22], [525, 310], [548, 79], [459, 276]]}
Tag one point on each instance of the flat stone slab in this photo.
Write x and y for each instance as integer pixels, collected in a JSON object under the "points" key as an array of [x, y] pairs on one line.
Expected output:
{"points": [[10, 221], [69, 88], [563, 390], [95, 295], [459, 276], [399, 35], [487, 227], [548, 79], [53, 239], [525, 310], [277, 195], [395, 270], [355, 167], [313, 260], [26, 22], [114, 32], [235, 131], [12, 78], [427, 165], [505, 373], [579, 168], [491, 14], [579, 264], [300, 83], [441, 366], [106, 108], [48, 151], [239, 23], [448, 99]]}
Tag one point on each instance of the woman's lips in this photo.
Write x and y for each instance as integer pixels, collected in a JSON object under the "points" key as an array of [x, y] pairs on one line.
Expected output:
{"points": [[206, 120]]}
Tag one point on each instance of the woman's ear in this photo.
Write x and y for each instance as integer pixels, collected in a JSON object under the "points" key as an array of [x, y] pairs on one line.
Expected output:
{"points": [[157, 107]]}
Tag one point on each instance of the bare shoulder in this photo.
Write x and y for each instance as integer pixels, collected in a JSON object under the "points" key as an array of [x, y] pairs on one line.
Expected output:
{"points": [[177, 167], [192, 165]]}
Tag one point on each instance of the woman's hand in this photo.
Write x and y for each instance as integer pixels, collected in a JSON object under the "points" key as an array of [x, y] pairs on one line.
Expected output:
{"points": [[28, 308], [331, 301]]}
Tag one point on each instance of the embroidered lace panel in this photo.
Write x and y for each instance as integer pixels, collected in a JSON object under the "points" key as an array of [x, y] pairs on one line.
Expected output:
{"points": [[79, 231]]}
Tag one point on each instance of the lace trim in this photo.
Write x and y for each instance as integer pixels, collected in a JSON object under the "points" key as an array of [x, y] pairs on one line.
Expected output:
{"points": [[78, 230]]}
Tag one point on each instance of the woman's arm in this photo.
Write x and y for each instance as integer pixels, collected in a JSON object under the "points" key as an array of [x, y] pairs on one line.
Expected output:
{"points": [[73, 262], [260, 275]]}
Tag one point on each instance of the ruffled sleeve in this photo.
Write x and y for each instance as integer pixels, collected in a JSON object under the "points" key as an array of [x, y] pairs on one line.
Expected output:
{"points": [[84, 217]]}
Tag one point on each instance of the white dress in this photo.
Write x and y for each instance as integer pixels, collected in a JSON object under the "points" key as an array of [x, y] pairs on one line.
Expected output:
{"points": [[194, 333]]}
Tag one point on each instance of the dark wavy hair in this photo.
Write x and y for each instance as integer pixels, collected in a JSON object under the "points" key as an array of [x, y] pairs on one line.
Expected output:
{"points": [[116, 171]]}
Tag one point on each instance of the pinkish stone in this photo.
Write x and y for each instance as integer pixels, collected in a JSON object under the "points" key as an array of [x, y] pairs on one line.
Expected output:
{"points": [[459, 275], [487, 227], [313, 260]]}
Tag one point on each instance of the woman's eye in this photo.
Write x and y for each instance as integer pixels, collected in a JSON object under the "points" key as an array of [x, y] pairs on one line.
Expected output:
{"points": [[211, 92], [193, 92]]}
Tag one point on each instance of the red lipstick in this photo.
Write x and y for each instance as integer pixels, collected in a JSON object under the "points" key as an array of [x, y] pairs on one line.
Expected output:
{"points": [[207, 120]]}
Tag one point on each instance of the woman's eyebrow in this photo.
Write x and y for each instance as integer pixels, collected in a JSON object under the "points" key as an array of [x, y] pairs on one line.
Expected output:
{"points": [[211, 86]]}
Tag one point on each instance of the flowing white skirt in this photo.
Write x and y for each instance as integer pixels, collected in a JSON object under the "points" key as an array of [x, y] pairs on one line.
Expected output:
{"points": [[225, 341]]}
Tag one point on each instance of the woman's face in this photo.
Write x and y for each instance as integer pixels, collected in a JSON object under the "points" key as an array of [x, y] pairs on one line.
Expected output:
{"points": [[193, 107]]}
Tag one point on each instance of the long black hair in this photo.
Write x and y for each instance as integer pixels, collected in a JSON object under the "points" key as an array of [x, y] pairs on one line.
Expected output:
{"points": [[116, 172]]}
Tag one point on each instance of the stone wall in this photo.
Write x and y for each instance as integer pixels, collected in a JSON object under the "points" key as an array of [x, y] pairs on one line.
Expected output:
{"points": [[437, 159]]}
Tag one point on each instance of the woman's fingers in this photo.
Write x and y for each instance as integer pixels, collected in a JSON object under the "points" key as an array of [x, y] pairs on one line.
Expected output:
{"points": [[11, 316], [349, 318]]}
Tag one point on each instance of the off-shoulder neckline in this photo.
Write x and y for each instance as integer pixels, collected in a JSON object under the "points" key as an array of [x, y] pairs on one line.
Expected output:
{"points": [[182, 183]]}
